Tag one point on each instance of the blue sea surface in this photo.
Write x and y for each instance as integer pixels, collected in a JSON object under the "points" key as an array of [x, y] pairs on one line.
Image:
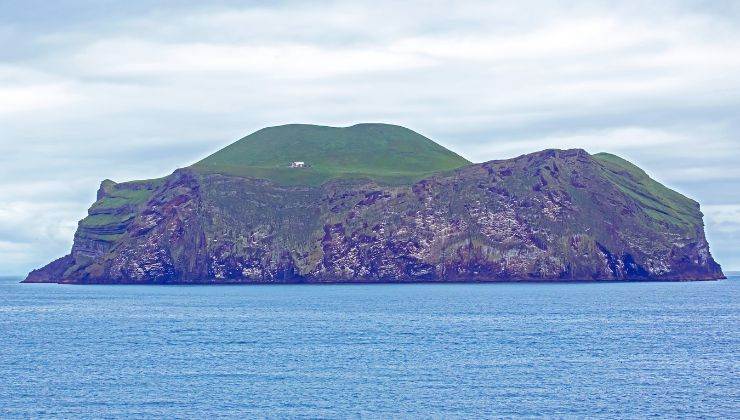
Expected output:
{"points": [[616, 350]]}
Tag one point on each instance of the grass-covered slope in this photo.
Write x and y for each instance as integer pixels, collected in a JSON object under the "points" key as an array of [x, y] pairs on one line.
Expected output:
{"points": [[657, 200], [382, 152]]}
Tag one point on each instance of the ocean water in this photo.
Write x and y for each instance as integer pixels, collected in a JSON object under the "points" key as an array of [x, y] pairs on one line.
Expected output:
{"points": [[616, 350]]}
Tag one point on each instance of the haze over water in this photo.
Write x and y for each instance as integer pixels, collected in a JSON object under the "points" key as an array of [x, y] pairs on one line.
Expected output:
{"points": [[445, 350]]}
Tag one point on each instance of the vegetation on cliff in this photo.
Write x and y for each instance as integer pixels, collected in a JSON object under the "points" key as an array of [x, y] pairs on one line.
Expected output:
{"points": [[382, 203]]}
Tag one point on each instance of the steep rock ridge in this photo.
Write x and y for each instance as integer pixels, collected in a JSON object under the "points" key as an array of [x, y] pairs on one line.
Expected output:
{"points": [[548, 216], [110, 215], [107, 221]]}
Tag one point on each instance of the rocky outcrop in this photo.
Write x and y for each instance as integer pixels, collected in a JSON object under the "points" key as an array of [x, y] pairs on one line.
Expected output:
{"points": [[555, 215], [52, 272]]}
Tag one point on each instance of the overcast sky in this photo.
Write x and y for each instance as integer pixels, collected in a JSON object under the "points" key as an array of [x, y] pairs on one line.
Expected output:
{"points": [[125, 90]]}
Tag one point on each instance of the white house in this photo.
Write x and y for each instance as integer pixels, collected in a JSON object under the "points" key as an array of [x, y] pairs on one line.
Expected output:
{"points": [[298, 164]]}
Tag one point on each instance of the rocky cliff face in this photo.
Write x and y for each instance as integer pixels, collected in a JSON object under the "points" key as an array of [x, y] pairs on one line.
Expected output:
{"points": [[549, 216]]}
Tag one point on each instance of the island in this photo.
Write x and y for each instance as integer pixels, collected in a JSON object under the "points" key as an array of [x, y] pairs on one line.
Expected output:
{"points": [[381, 203]]}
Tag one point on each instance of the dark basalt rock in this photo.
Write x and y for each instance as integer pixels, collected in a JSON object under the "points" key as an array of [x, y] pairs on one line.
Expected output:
{"points": [[548, 216]]}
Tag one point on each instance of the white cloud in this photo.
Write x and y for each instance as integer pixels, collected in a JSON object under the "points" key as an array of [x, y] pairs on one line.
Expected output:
{"points": [[723, 217], [32, 98], [612, 140], [24, 89], [705, 173], [32, 233], [130, 57], [562, 39]]}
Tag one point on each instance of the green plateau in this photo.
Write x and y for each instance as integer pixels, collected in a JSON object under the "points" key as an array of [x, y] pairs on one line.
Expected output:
{"points": [[380, 152]]}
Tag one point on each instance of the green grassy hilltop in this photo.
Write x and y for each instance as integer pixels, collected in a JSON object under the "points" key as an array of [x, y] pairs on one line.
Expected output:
{"points": [[381, 152]]}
